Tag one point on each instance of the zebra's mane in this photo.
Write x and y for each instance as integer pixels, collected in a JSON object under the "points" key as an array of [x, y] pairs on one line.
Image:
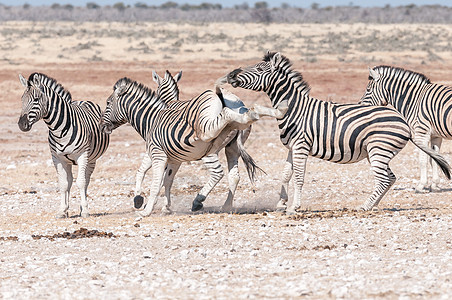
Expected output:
{"points": [[400, 71], [52, 84], [285, 66], [149, 94]]}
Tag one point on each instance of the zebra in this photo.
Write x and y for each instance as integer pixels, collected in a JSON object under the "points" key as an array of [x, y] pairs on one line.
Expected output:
{"points": [[426, 106], [340, 133], [168, 92], [173, 136], [74, 135]]}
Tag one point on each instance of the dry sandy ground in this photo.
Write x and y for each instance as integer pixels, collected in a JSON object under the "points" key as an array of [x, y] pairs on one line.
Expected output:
{"points": [[402, 250]]}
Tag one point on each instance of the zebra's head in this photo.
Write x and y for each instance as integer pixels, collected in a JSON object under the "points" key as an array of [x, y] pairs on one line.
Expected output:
{"points": [[376, 91], [167, 89], [258, 77], [113, 116], [34, 102]]}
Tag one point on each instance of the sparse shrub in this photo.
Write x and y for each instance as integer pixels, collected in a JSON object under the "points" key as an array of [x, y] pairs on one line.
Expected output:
{"points": [[119, 6], [26, 6], [141, 5], [315, 6], [261, 5], [169, 4], [92, 5], [68, 7], [243, 6], [55, 6]]}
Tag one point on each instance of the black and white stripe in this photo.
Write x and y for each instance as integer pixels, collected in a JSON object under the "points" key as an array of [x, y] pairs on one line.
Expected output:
{"points": [[426, 106], [196, 129], [340, 133], [74, 135]]}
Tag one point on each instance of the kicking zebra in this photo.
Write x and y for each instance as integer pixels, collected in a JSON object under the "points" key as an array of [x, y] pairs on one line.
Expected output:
{"points": [[426, 106], [168, 92], [74, 135], [173, 135], [340, 133]]}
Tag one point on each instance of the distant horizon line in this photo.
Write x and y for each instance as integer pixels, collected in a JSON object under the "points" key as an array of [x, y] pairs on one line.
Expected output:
{"points": [[177, 5]]}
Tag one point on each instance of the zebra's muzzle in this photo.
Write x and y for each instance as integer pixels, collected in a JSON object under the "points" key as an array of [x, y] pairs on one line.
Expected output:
{"points": [[232, 77], [105, 128], [24, 123]]}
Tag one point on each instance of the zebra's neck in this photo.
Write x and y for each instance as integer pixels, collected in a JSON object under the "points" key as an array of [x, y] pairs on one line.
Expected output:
{"points": [[141, 107], [289, 86], [59, 114], [405, 94]]}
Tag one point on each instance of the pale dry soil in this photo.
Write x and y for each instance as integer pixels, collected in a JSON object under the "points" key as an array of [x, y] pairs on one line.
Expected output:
{"points": [[328, 250]]}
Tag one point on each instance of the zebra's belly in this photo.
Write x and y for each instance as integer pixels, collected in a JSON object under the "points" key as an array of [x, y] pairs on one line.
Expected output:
{"points": [[341, 157], [185, 153]]}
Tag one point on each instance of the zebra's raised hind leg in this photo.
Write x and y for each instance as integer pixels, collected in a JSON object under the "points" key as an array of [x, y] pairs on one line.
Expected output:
{"points": [[64, 172]]}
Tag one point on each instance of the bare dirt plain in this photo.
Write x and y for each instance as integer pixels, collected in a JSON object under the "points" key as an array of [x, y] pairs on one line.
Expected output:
{"points": [[401, 250]]}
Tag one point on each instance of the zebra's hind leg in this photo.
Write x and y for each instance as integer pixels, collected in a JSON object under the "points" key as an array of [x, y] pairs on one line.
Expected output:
{"points": [[146, 164], [287, 174], [171, 170], [232, 156], [423, 140], [215, 169], [384, 177], [278, 112], [64, 172], [436, 145]]}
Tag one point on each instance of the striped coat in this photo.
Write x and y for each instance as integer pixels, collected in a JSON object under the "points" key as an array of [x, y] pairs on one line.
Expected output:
{"points": [[74, 134], [340, 133], [426, 106]]}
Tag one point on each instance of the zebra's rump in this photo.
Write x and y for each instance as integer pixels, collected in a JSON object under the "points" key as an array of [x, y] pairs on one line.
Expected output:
{"points": [[436, 110]]}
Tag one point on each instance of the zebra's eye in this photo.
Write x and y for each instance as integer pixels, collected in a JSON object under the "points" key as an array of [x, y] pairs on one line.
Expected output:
{"points": [[259, 68]]}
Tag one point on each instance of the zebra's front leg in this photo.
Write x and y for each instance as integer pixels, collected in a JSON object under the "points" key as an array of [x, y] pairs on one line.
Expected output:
{"points": [[171, 170], [85, 170], [159, 160], [215, 169], [436, 145], [146, 164], [64, 172], [299, 158], [287, 174]]}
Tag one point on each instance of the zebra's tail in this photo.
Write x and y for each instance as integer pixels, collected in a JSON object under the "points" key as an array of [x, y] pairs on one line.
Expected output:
{"points": [[442, 163], [251, 167]]}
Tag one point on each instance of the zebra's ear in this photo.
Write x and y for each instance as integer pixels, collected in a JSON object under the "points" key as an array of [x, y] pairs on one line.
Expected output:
{"points": [[36, 81], [155, 77], [23, 81], [275, 61], [178, 76], [374, 74]]}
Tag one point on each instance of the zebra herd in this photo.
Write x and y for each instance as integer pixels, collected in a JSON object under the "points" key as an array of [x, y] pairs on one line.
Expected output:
{"points": [[398, 106]]}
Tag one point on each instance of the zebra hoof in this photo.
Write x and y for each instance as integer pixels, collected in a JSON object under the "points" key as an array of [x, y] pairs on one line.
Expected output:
{"points": [[63, 215], [84, 215], [138, 201], [197, 205]]}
